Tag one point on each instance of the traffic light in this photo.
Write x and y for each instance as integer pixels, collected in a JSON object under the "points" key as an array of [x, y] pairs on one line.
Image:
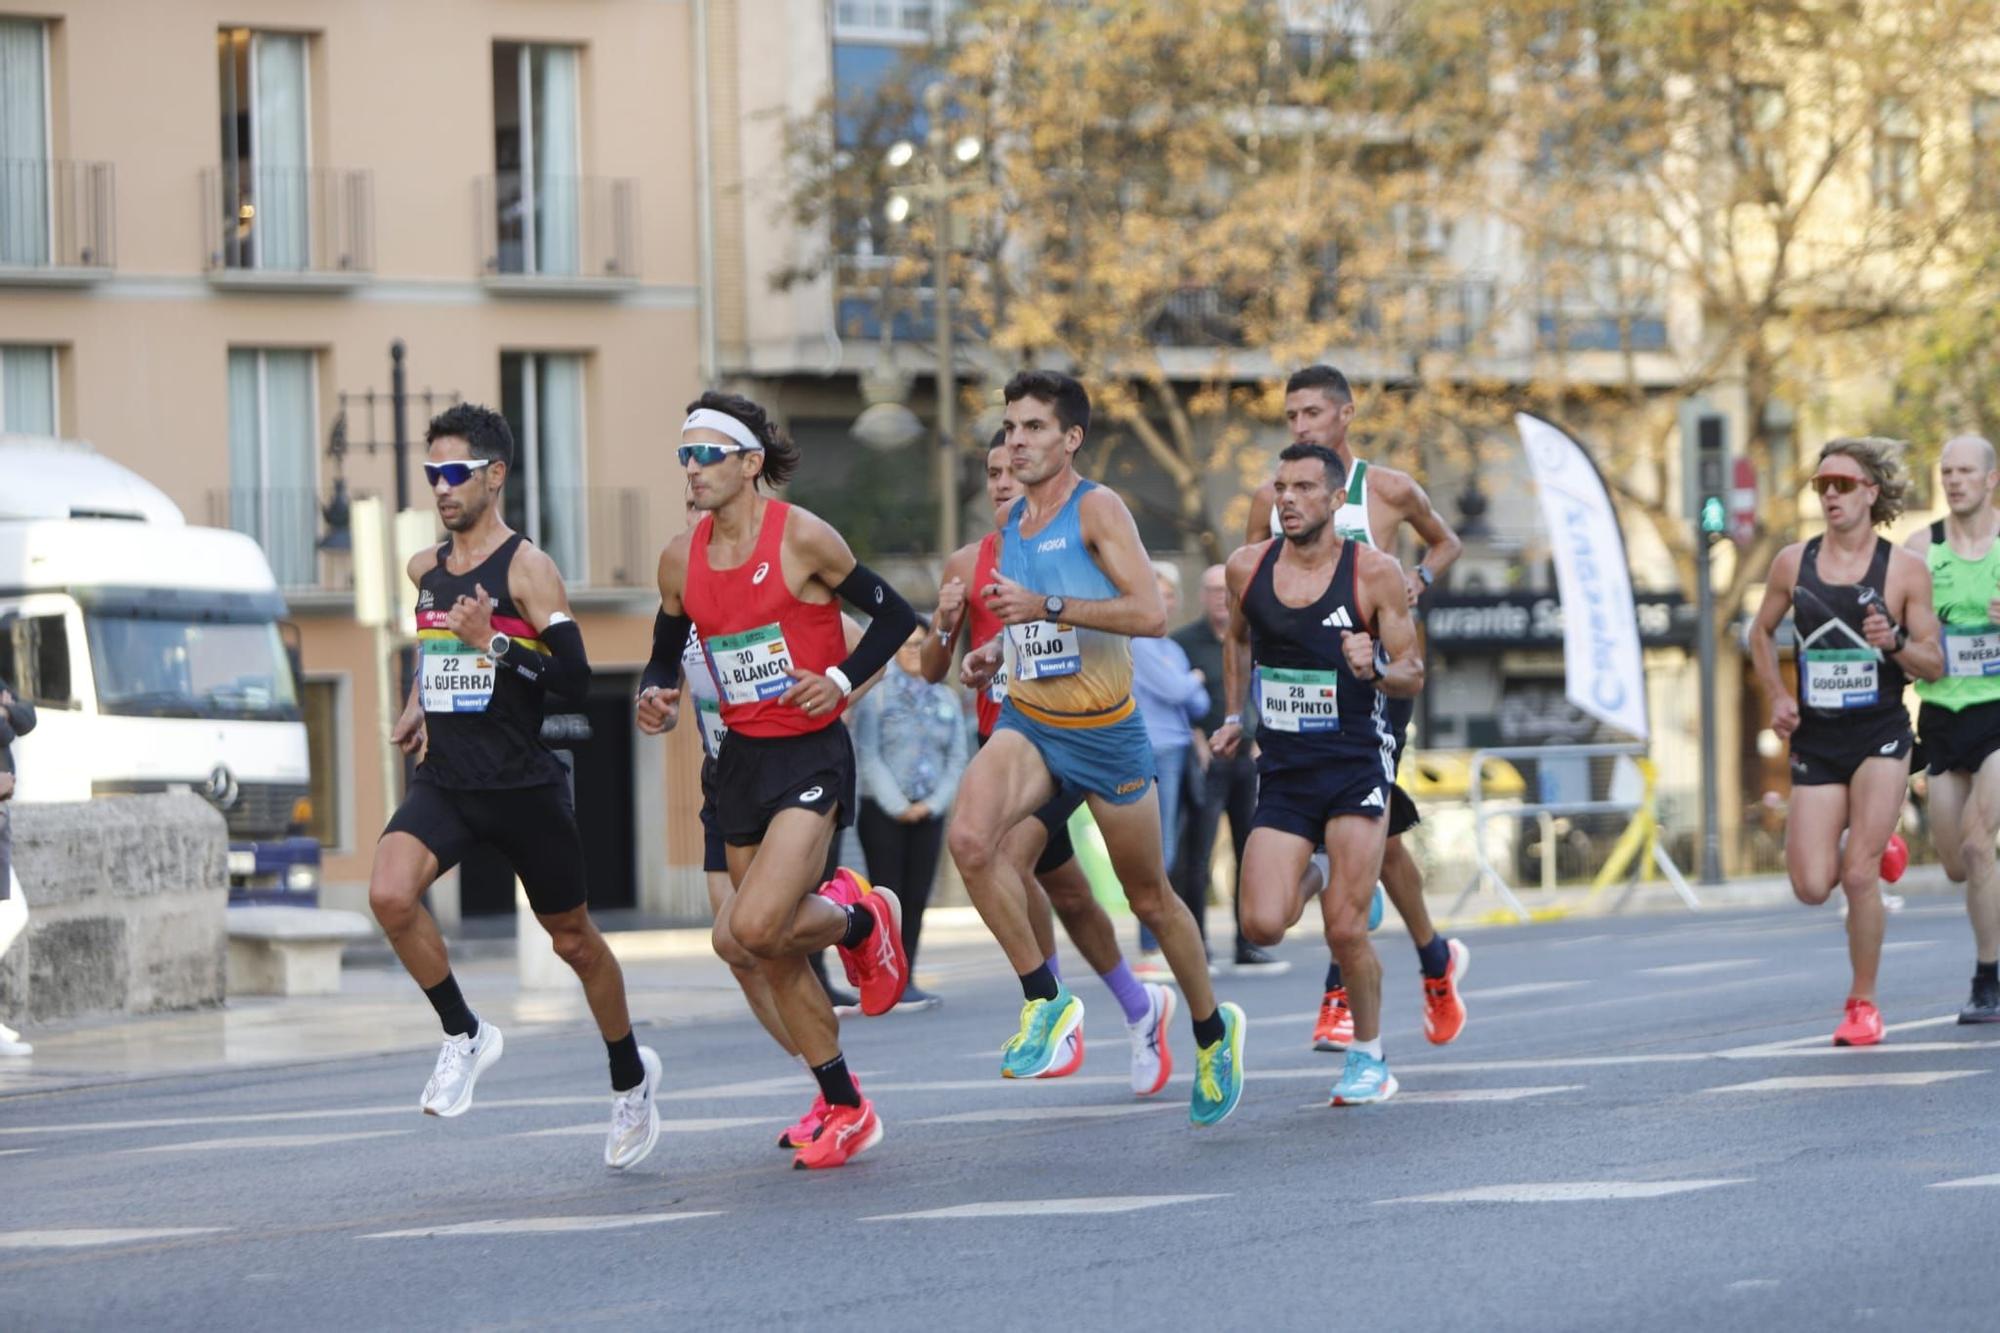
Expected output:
{"points": [[1706, 432]]}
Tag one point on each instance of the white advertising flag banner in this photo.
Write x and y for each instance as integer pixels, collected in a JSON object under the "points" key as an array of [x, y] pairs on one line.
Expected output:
{"points": [[1605, 674]]}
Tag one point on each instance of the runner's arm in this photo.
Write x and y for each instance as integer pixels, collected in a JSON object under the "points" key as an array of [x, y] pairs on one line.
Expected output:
{"points": [[1403, 677], [825, 556], [1922, 654], [1236, 649], [1764, 631], [852, 633], [1441, 545], [1258, 527], [658, 700], [537, 588], [944, 640], [1112, 536]]}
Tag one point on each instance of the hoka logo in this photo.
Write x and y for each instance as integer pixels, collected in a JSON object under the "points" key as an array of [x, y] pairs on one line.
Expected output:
{"points": [[1339, 619], [1052, 544]]}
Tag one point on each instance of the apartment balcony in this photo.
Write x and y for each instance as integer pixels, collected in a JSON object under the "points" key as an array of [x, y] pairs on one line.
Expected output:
{"points": [[1403, 314], [542, 235], [57, 222], [1595, 330], [288, 228]]}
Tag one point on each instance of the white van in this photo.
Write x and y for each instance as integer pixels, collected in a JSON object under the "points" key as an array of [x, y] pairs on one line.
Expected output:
{"points": [[155, 654]]}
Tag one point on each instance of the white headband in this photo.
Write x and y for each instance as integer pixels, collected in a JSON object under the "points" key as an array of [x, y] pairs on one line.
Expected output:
{"points": [[707, 418]]}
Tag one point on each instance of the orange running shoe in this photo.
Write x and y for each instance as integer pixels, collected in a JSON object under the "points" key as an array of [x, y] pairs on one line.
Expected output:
{"points": [[1861, 1027], [1335, 1030], [1444, 1011], [848, 1132], [1895, 859], [879, 968], [808, 1127], [845, 888]]}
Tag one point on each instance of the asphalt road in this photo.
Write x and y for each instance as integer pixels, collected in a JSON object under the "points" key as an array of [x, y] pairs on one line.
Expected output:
{"points": [[1643, 1126]]}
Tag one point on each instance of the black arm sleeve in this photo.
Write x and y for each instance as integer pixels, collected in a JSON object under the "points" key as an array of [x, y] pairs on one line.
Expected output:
{"points": [[564, 671], [894, 619], [663, 668]]}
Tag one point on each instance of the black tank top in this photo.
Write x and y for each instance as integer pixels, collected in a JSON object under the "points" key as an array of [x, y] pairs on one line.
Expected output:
{"points": [[1843, 681], [1311, 709], [485, 724]]}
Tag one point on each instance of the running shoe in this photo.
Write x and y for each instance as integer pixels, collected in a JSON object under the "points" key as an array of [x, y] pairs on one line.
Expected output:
{"points": [[845, 889], [1363, 1080], [1152, 1053], [808, 1126], [1335, 1029], [460, 1062], [11, 1043], [1070, 1059], [1895, 859], [1377, 906], [1152, 966], [1984, 1006], [1861, 1027], [1043, 1041], [1258, 962], [1218, 1078], [878, 967], [915, 1001], [635, 1117], [848, 1132], [1444, 1010]]}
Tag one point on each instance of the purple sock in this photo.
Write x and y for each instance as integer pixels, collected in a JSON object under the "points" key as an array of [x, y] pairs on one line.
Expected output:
{"points": [[1054, 971], [1131, 995]]}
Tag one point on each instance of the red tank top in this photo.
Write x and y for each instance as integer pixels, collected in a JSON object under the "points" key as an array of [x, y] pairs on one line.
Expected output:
{"points": [[983, 625], [754, 631]]}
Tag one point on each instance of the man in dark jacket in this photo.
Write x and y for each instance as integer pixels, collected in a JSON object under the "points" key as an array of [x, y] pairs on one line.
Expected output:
{"points": [[17, 718]]}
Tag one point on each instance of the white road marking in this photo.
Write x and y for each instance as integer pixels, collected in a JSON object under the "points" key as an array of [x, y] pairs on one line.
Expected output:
{"points": [[1885, 1078], [1889, 946], [1117, 1203], [1008, 1114], [14, 1152], [1970, 1182], [667, 1126], [1524, 988], [1700, 969], [1754, 1284], [1825, 1038], [1829, 1050], [1569, 1191], [538, 1226], [267, 1142], [1456, 1096], [76, 1238]]}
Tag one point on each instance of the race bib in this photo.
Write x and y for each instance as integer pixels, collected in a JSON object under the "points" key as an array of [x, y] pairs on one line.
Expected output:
{"points": [[1297, 701], [752, 666], [996, 689], [1044, 649], [708, 713], [1838, 678], [454, 678], [1972, 652]]}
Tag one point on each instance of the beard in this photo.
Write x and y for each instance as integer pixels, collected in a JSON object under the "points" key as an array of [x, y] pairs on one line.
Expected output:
{"points": [[1307, 536], [469, 513]]}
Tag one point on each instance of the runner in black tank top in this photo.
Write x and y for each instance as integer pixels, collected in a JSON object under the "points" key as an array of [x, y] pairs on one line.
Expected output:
{"points": [[1306, 610], [1865, 625], [495, 637]]}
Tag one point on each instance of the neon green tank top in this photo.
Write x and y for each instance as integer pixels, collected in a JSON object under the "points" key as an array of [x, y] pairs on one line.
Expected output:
{"points": [[1962, 589]]}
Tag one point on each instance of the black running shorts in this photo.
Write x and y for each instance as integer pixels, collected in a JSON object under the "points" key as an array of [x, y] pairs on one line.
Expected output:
{"points": [[1300, 801], [713, 856], [1829, 754], [758, 776], [1958, 742], [533, 827]]}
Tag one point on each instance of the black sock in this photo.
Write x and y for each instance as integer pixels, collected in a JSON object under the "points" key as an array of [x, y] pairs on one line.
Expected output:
{"points": [[1986, 972], [1208, 1031], [836, 1084], [860, 925], [1333, 976], [451, 1011], [1435, 957], [1039, 984], [626, 1071]]}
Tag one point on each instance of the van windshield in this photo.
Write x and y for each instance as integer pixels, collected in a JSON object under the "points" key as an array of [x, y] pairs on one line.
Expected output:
{"points": [[167, 666]]}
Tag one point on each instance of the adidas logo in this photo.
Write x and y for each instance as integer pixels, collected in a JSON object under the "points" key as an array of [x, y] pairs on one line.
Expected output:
{"points": [[1339, 619], [1374, 800]]}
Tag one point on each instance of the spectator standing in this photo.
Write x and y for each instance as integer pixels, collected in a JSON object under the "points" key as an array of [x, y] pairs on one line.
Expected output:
{"points": [[1171, 696]]}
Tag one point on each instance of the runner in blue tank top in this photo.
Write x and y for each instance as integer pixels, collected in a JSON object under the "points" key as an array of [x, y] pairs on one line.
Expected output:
{"points": [[1321, 636], [1074, 584]]}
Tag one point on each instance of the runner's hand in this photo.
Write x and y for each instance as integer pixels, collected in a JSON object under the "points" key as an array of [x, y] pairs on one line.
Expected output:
{"points": [[1414, 584], [1360, 649], [1011, 603], [1875, 628], [980, 666], [658, 709], [951, 605], [408, 734], [1226, 739], [1784, 716], [812, 694], [471, 619]]}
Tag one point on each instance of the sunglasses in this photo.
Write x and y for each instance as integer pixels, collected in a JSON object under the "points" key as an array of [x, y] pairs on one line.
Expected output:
{"points": [[708, 455], [1838, 485], [453, 474]]}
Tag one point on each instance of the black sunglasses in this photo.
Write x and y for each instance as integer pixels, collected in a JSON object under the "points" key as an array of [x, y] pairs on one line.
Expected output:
{"points": [[453, 474]]}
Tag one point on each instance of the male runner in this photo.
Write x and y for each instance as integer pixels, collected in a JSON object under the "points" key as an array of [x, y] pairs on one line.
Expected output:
{"points": [[1073, 585], [1861, 609], [1321, 624], [496, 637], [756, 579], [1039, 848], [1319, 406], [1958, 723]]}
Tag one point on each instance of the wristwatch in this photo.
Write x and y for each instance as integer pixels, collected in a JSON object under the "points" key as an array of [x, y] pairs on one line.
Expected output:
{"points": [[497, 646], [1902, 640], [1052, 606], [1424, 573]]}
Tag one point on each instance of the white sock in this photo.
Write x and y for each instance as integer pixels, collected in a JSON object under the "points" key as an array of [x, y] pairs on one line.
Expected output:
{"points": [[1371, 1049]]}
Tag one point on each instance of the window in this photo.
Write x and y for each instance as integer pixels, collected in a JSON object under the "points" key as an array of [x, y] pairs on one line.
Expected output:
{"points": [[1760, 129], [28, 390], [273, 467], [1895, 167], [900, 21], [1319, 33], [1986, 151], [324, 703], [177, 664], [25, 201], [537, 157], [541, 395], [34, 660], [266, 154]]}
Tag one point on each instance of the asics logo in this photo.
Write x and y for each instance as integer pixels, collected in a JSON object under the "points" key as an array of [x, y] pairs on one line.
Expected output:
{"points": [[763, 568], [811, 794], [1339, 619], [1890, 748]]}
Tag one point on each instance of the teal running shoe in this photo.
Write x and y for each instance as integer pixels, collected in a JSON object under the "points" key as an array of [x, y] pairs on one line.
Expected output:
{"points": [[1046, 1026], [1218, 1074], [1376, 906], [1363, 1080]]}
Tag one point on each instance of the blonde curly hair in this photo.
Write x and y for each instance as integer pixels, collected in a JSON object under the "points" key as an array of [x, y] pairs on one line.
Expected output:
{"points": [[1882, 460]]}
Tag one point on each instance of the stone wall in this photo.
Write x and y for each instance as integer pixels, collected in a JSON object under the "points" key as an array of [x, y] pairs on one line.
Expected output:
{"points": [[126, 900]]}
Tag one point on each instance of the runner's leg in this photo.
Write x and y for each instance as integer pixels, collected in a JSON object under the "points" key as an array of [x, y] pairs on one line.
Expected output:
{"points": [[1354, 845], [1132, 839], [1875, 801], [1982, 880], [403, 869], [1267, 893], [1005, 783], [777, 917], [1812, 840], [1404, 883], [743, 965]]}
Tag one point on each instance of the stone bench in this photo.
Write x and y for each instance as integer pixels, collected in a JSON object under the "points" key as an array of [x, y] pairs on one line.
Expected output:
{"points": [[290, 950]]}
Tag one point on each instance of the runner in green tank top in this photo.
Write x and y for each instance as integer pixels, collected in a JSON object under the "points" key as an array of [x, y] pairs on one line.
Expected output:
{"points": [[1959, 723]]}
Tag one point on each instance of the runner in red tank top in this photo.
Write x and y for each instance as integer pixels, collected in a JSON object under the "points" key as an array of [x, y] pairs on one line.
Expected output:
{"points": [[1040, 847], [756, 579]]}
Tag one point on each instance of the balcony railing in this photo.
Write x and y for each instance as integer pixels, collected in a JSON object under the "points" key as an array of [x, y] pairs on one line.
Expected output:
{"points": [[576, 228], [1420, 313], [1577, 330], [56, 217], [285, 521], [289, 220]]}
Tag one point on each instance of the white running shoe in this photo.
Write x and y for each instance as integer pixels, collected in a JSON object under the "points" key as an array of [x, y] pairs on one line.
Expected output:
{"points": [[1152, 1056], [11, 1043], [460, 1063], [635, 1118]]}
